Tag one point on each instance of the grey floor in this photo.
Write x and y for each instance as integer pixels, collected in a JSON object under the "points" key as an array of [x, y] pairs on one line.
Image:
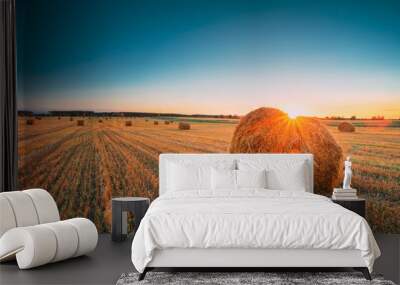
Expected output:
{"points": [[110, 260], [103, 266]]}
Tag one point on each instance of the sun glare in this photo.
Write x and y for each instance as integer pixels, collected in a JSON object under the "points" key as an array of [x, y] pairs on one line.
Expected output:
{"points": [[293, 114]]}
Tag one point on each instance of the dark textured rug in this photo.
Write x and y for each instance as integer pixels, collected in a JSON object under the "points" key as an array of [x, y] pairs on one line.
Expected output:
{"points": [[228, 278]]}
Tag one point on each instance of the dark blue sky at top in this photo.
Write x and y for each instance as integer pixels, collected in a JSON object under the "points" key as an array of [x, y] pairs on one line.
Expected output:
{"points": [[102, 44]]}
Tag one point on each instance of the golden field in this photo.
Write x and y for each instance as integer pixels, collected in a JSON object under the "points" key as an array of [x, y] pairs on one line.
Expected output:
{"points": [[84, 166]]}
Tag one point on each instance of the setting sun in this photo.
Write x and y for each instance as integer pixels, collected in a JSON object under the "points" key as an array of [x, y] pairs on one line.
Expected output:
{"points": [[294, 113]]}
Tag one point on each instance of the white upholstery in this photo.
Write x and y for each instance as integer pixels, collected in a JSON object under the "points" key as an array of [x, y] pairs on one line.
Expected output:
{"points": [[228, 159], [67, 237], [283, 174], [22, 207], [7, 219], [223, 179], [87, 233], [31, 230], [251, 179], [46, 207]]}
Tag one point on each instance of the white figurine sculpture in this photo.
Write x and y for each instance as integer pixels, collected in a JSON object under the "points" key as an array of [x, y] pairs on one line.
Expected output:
{"points": [[347, 174]]}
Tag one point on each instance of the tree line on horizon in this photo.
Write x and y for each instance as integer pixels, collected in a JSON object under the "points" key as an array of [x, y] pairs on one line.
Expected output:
{"points": [[73, 113], [81, 113]]}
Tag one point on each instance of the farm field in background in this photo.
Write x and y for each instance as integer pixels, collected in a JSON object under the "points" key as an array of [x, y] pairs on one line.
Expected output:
{"points": [[84, 166]]}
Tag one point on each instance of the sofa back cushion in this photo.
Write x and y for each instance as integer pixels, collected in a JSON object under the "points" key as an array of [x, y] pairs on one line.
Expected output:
{"points": [[26, 208]]}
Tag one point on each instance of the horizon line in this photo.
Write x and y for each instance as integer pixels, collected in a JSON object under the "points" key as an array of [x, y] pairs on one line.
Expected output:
{"points": [[234, 116]]}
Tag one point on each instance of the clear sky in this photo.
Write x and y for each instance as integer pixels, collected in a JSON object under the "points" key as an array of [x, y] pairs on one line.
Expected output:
{"points": [[319, 58]]}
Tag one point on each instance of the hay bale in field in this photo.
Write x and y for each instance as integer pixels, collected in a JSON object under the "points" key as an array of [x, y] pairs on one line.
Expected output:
{"points": [[346, 127], [171, 122], [184, 126], [59, 118], [128, 123], [100, 121], [155, 122], [71, 119], [166, 122], [38, 118], [80, 123], [268, 130], [146, 120], [30, 122]]}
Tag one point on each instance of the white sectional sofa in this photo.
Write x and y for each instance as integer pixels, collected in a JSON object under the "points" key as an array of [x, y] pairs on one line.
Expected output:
{"points": [[31, 230]]}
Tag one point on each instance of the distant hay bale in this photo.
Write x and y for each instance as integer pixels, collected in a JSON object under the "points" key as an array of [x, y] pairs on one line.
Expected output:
{"points": [[100, 121], [346, 127], [184, 126], [128, 123], [80, 123], [59, 118], [146, 120], [166, 122], [30, 122], [155, 122], [268, 130], [71, 119], [38, 118], [171, 122]]}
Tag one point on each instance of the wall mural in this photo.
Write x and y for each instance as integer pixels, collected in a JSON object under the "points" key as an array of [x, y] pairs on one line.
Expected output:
{"points": [[104, 87]]}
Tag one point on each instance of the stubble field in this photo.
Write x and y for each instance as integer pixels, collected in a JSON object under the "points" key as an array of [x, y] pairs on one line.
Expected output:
{"points": [[84, 166]]}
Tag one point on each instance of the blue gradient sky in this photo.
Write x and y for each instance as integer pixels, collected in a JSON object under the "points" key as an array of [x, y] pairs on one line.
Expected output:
{"points": [[305, 57]]}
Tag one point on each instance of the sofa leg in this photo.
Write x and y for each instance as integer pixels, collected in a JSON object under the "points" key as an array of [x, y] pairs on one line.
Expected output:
{"points": [[143, 274], [364, 271]]}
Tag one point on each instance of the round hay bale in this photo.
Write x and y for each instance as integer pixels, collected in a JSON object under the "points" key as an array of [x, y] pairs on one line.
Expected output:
{"points": [[30, 122], [184, 126], [346, 127], [71, 119], [155, 122], [80, 123], [166, 122], [268, 130], [100, 121], [59, 118], [128, 123]]}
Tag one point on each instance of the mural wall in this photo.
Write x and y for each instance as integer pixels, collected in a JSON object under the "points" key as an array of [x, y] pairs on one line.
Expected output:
{"points": [[104, 87]]}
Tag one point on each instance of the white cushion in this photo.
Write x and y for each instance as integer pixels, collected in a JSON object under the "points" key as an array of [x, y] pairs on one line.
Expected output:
{"points": [[67, 240], [251, 178], [227, 179], [26, 208], [287, 175], [7, 218], [188, 177], [193, 175], [87, 235], [23, 208], [46, 207], [292, 178], [223, 179]]}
